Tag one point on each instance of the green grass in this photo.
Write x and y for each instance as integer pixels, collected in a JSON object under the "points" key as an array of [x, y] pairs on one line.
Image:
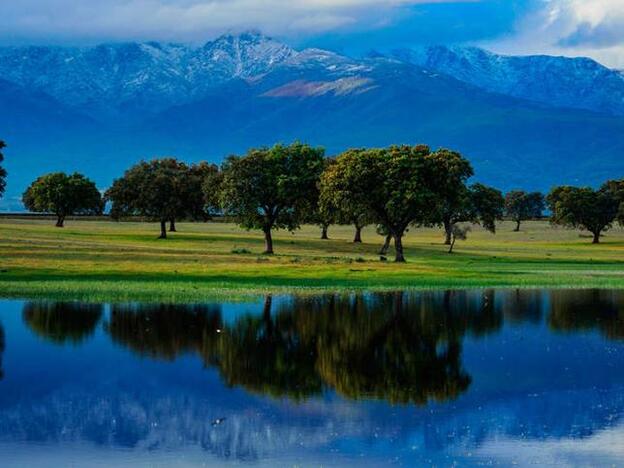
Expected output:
{"points": [[107, 261]]}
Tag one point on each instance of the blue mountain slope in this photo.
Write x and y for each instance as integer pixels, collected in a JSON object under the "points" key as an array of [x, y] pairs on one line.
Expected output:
{"points": [[60, 113]]}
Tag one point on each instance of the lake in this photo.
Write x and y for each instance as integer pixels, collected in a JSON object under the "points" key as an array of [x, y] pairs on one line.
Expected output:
{"points": [[475, 377]]}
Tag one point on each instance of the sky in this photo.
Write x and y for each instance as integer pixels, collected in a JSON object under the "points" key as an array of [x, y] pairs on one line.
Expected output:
{"points": [[593, 28]]}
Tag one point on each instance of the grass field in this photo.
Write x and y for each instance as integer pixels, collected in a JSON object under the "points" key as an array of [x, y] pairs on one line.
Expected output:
{"points": [[107, 261]]}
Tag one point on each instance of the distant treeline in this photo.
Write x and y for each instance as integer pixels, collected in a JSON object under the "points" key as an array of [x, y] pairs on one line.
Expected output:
{"points": [[285, 186]]}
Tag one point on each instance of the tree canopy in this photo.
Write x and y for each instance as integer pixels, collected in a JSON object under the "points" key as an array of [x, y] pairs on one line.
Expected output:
{"points": [[162, 190], [521, 206], [63, 195], [272, 188], [389, 183], [584, 208]]}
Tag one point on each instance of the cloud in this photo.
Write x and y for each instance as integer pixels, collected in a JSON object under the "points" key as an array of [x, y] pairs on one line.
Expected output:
{"points": [[185, 20], [571, 27]]}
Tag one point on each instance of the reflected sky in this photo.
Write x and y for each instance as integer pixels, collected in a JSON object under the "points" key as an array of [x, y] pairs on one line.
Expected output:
{"points": [[397, 379]]}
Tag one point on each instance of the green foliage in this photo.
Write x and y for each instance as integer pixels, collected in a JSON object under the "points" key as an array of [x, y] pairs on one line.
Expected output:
{"points": [[272, 188], [615, 188], [211, 191], [154, 189], [3, 172], [389, 183], [521, 206], [447, 172], [200, 179], [343, 206], [584, 208], [63, 195], [486, 205], [163, 190]]}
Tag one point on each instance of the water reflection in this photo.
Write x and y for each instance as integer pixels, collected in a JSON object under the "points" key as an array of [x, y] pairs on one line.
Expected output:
{"points": [[402, 378], [602, 310], [164, 331], [398, 347], [62, 322], [1, 350]]}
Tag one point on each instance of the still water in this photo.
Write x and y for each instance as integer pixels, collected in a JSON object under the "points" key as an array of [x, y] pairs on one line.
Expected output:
{"points": [[398, 379]]}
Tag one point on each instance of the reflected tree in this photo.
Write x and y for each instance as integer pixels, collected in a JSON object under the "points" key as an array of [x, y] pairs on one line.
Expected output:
{"points": [[389, 354], [265, 354], [62, 322], [602, 310], [165, 331]]}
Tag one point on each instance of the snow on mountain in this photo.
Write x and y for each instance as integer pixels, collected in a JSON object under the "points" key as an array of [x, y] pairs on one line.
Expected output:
{"points": [[115, 78], [579, 83]]}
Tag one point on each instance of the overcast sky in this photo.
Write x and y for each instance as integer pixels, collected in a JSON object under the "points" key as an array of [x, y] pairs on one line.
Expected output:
{"points": [[569, 27]]}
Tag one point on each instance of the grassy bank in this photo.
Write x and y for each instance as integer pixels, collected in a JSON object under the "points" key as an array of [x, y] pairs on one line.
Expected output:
{"points": [[124, 261]]}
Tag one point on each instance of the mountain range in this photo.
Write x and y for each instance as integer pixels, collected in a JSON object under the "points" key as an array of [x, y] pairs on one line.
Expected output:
{"points": [[526, 122]]}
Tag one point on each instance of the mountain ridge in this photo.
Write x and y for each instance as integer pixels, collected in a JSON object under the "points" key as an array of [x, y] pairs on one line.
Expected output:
{"points": [[100, 109]]}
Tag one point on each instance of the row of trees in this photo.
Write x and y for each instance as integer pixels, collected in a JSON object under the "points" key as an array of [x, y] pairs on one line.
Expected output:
{"points": [[283, 187]]}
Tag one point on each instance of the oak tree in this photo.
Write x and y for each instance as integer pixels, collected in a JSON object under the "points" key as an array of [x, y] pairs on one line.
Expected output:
{"points": [[272, 188], [583, 208], [63, 195], [156, 190], [521, 206]]}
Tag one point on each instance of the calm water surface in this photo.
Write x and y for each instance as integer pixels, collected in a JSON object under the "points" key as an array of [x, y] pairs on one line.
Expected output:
{"points": [[401, 379]]}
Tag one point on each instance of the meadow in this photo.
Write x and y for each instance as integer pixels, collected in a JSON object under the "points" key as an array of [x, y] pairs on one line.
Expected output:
{"points": [[109, 261]]}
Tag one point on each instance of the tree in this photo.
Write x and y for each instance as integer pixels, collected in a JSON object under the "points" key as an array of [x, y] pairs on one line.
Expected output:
{"points": [[195, 203], [63, 195], [389, 183], [346, 208], [326, 212], [3, 172], [486, 206], [458, 233], [272, 188], [615, 188], [157, 190], [448, 172], [520, 206], [584, 208]]}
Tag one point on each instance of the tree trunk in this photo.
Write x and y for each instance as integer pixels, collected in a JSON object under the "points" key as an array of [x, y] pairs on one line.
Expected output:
{"points": [[398, 246], [448, 230], [517, 225], [386, 245], [358, 235], [172, 226], [60, 221], [451, 245], [163, 230], [266, 315], [596, 237], [268, 241], [324, 233]]}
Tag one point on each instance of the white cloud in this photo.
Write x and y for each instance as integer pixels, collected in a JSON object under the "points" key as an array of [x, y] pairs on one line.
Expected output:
{"points": [[592, 28], [184, 20]]}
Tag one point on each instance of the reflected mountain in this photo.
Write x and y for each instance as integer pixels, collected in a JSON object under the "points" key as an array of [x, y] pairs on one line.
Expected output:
{"points": [[164, 331], [584, 310], [2, 345], [62, 322], [337, 375]]}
